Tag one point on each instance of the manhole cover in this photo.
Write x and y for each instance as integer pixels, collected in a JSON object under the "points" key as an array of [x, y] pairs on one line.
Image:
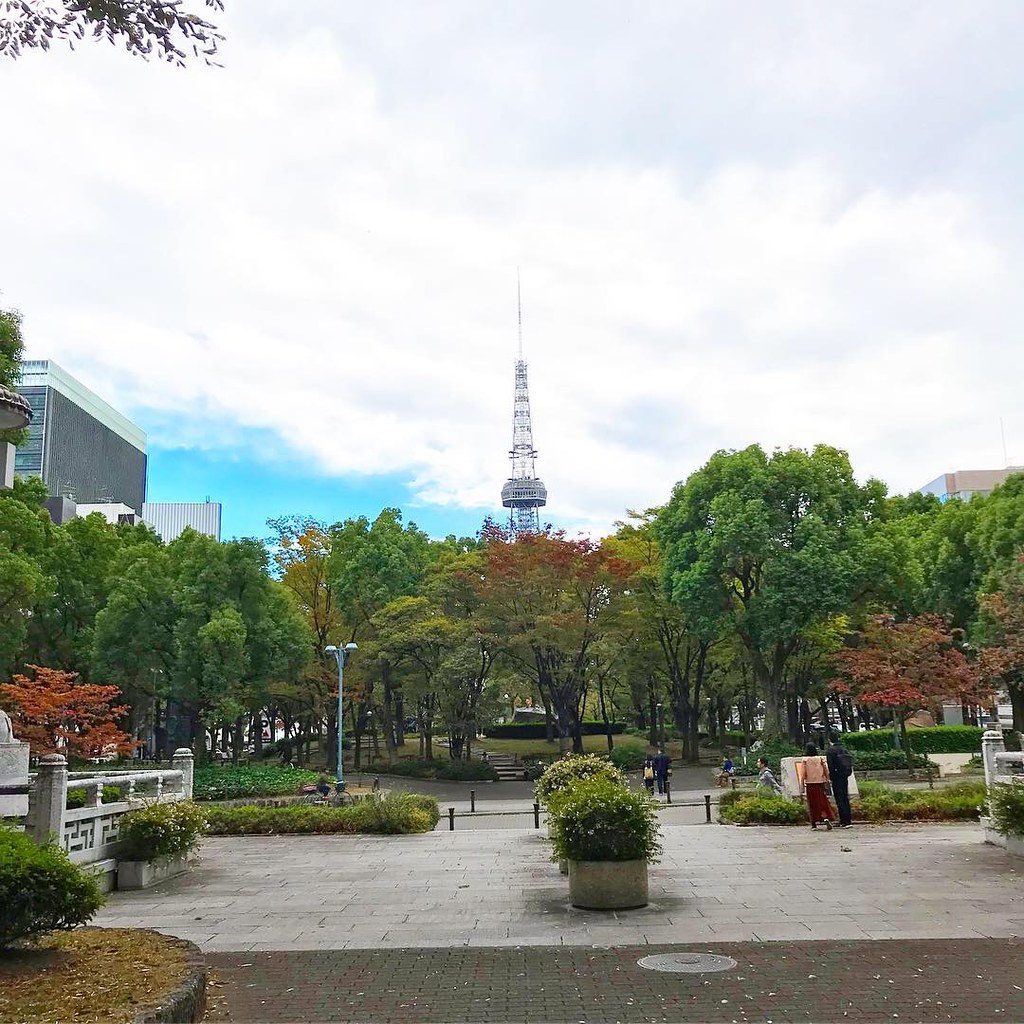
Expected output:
{"points": [[687, 963]]}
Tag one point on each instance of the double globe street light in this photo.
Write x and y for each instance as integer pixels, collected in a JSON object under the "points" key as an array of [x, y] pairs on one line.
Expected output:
{"points": [[340, 654]]}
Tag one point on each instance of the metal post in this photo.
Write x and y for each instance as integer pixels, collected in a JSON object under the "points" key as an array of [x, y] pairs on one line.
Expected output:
{"points": [[668, 792], [451, 819], [536, 815], [472, 801], [340, 777], [707, 807]]}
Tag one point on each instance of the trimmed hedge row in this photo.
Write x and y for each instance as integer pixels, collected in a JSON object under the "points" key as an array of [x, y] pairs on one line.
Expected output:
{"points": [[444, 768], [538, 730], [387, 814], [936, 739]]}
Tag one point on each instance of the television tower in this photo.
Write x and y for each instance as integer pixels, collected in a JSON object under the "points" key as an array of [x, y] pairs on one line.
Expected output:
{"points": [[523, 493]]}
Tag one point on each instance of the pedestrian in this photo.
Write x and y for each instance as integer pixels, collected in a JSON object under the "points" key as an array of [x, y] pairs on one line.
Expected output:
{"points": [[649, 774], [840, 768], [766, 777], [662, 769], [812, 770]]}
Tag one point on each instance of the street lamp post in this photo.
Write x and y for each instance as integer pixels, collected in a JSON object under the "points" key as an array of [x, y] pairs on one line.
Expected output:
{"points": [[661, 726], [340, 654]]}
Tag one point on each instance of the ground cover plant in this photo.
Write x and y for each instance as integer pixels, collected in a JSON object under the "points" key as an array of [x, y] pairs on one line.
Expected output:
{"points": [[387, 814], [40, 889], [231, 782], [599, 819], [162, 830]]}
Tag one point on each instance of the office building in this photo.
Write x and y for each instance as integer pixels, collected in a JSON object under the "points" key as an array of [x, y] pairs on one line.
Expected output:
{"points": [[965, 483], [170, 518], [83, 448]]}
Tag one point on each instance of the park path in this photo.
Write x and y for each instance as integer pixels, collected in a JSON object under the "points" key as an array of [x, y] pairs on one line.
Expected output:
{"points": [[498, 888]]}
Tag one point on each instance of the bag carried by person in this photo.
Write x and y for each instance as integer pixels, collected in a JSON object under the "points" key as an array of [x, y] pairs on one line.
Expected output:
{"points": [[649, 772], [845, 763]]}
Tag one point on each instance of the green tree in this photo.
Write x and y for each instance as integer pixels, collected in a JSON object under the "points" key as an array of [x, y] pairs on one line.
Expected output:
{"points": [[144, 27], [765, 547], [24, 535], [11, 347]]}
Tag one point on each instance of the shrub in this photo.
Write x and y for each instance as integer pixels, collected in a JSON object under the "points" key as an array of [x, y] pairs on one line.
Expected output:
{"points": [[962, 802], [766, 809], [731, 796], [1007, 803], [773, 751], [598, 819], [76, 797], [216, 782], [442, 768], [735, 738], [538, 730], [576, 767], [161, 830], [888, 760], [40, 889], [937, 739], [628, 755], [389, 813]]}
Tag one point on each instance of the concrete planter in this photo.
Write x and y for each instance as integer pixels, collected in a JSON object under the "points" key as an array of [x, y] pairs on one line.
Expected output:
{"points": [[563, 867], [1015, 846], [608, 885], [141, 874]]}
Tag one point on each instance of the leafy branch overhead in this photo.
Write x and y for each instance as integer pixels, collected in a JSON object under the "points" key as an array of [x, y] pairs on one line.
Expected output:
{"points": [[147, 28]]}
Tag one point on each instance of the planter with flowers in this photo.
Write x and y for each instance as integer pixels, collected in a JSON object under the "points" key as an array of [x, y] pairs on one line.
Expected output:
{"points": [[567, 771], [156, 842], [608, 834]]}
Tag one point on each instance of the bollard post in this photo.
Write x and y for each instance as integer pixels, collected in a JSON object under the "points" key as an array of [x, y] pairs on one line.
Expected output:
{"points": [[472, 801], [733, 781], [536, 815], [451, 819], [707, 807], [668, 792]]}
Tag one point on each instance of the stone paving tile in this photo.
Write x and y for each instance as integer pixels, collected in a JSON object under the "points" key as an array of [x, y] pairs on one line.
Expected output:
{"points": [[910, 982]]}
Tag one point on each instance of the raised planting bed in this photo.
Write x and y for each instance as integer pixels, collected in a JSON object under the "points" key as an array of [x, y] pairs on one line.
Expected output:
{"points": [[103, 976]]}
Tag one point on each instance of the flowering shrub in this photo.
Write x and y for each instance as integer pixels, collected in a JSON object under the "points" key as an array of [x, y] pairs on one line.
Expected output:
{"points": [[162, 830], [599, 819], [572, 769]]}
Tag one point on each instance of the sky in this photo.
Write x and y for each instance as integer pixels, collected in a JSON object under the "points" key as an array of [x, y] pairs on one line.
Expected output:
{"points": [[784, 223]]}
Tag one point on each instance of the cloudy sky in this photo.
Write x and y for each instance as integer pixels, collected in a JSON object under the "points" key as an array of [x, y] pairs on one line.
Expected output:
{"points": [[735, 222]]}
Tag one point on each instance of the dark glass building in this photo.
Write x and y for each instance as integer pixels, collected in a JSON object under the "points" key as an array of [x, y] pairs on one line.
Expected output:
{"points": [[82, 447]]}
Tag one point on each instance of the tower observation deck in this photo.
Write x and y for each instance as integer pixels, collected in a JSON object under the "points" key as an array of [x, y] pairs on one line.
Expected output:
{"points": [[523, 492]]}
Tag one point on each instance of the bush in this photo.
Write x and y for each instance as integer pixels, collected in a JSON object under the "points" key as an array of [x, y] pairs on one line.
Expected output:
{"points": [[538, 730], [216, 782], [389, 813], [731, 796], [962, 802], [937, 739], [888, 761], [40, 889], [161, 830], [736, 739], [576, 767], [773, 751], [598, 819], [766, 809], [628, 755], [442, 768], [76, 797], [1007, 803]]}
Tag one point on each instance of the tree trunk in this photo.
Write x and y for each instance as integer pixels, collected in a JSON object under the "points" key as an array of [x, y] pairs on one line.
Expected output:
{"points": [[399, 719], [238, 739], [386, 707], [774, 725], [549, 722], [1017, 704]]}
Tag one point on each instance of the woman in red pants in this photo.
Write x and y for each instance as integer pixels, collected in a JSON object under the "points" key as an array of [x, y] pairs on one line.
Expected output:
{"points": [[813, 773]]}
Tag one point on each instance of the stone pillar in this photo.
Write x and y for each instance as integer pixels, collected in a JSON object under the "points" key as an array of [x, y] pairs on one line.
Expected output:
{"points": [[184, 762], [13, 780], [6, 465], [49, 797], [991, 744]]}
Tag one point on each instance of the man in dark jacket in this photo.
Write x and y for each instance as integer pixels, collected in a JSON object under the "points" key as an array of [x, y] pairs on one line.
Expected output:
{"points": [[840, 768], [662, 767]]}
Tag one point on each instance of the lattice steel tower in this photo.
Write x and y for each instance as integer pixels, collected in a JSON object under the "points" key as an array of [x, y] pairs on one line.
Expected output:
{"points": [[523, 493]]}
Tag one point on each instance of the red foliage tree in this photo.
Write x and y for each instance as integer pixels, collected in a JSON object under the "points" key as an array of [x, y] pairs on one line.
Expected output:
{"points": [[1001, 660], [57, 714], [904, 666]]}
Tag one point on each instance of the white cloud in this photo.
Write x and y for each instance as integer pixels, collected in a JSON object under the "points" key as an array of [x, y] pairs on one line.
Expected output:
{"points": [[316, 242]]}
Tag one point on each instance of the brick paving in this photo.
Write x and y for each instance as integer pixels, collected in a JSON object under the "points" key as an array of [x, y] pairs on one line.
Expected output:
{"points": [[909, 981]]}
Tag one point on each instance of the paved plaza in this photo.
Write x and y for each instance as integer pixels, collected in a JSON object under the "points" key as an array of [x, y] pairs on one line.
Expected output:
{"points": [[498, 888]]}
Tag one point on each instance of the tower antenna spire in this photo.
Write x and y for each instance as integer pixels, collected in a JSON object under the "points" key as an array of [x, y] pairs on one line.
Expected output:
{"points": [[523, 493]]}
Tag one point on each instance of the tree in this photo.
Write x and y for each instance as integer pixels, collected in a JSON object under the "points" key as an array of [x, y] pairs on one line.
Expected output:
{"points": [[763, 548], [24, 535], [1001, 631], [904, 666], [11, 346], [145, 27], [56, 713], [545, 601]]}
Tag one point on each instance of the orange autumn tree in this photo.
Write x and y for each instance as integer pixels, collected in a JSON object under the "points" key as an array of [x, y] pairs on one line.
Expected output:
{"points": [[905, 666], [55, 713]]}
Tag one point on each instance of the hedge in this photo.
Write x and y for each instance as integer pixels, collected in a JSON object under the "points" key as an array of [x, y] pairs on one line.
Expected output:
{"points": [[382, 814], [445, 768], [538, 730], [936, 739]]}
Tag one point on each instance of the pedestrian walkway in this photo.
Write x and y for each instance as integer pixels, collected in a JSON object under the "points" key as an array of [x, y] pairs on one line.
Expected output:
{"points": [[888, 982], [499, 888]]}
